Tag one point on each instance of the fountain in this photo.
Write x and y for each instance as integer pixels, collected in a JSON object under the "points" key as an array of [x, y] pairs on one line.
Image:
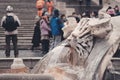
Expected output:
{"points": [[84, 55]]}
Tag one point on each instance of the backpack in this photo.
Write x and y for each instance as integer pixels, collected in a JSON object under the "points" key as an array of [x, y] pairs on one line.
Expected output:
{"points": [[10, 24]]}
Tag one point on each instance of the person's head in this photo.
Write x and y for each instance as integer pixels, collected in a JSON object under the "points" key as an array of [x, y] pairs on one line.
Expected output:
{"points": [[9, 9], [62, 16], [48, 0], [109, 7], [56, 12], [94, 13], [116, 5], [86, 14], [74, 14], [45, 16]]}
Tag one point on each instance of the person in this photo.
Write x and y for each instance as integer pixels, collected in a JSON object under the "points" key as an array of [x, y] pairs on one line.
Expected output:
{"points": [[63, 20], [94, 14], [40, 6], [50, 6], [80, 2], [116, 8], [86, 14], [56, 28], [10, 22], [36, 35], [100, 2], [44, 27], [88, 2], [75, 16], [111, 11]]}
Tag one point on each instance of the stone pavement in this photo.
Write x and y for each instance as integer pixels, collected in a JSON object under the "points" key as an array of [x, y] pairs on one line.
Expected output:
{"points": [[23, 53]]}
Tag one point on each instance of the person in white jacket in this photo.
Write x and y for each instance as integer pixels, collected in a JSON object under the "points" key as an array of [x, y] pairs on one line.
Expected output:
{"points": [[10, 22]]}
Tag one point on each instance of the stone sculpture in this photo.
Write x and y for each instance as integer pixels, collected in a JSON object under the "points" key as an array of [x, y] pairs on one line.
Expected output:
{"points": [[67, 60]]}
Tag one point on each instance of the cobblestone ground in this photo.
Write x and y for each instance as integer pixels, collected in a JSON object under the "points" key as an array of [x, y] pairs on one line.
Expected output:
{"points": [[23, 53]]}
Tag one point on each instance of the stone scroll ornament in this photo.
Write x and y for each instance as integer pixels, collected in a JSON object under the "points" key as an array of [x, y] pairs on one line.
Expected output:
{"points": [[66, 61]]}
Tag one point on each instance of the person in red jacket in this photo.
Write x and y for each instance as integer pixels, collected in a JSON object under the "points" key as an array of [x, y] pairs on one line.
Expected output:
{"points": [[40, 5], [50, 6]]}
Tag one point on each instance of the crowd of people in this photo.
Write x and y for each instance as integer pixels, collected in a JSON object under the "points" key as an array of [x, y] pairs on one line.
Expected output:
{"points": [[48, 25], [54, 22], [113, 11]]}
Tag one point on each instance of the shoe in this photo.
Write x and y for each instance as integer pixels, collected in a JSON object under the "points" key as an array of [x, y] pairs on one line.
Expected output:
{"points": [[44, 52], [7, 55]]}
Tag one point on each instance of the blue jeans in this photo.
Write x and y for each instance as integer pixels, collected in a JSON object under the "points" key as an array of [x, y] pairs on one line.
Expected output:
{"points": [[56, 41]]}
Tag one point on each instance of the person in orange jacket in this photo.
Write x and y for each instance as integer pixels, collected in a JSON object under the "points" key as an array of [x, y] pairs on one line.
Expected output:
{"points": [[50, 6], [40, 5]]}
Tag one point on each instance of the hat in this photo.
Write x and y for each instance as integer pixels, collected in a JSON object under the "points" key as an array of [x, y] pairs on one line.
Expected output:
{"points": [[56, 12], [9, 8]]}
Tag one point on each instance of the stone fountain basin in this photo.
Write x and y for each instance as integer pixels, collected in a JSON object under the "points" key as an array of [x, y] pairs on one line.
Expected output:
{"points": [[30, 62], [20, 74], [25, 77]]}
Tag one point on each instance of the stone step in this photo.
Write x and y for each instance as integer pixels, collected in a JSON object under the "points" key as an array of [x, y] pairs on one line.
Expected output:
{"points": [[18, 5], [20, 41], [27, 22], [22, 31], [20, 35], [27, 17], [23, 16], [23, 27], [23, 46], [60, 4], [28, 28], [8, 1], [22, 10], [19, 38], [20, 47]]}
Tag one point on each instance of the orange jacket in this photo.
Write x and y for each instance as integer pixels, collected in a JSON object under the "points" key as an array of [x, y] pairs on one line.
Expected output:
{"points": [[40, 3]]}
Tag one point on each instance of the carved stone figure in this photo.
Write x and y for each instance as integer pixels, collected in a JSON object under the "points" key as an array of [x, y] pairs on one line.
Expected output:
{"points": [[67, 60]]}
